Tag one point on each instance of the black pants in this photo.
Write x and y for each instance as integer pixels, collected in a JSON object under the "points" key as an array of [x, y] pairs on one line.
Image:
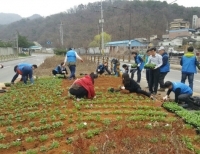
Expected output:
{"points": [[54, 72], [161, 79], [153, 80], [81, 92], [140, 91], [147, 75]]}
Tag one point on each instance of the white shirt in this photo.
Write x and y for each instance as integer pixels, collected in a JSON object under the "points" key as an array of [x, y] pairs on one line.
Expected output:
{"points": [[157, 60]]}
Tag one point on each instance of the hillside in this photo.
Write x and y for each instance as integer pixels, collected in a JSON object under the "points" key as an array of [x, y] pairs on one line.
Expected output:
{"points": [[80, 23], [7, 18]]}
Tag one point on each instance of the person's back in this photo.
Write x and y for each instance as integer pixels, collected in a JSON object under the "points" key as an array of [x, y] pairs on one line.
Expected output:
{"points": [[184, 88], [71, 56], [166, 66], [188, 63], [21, 65]]}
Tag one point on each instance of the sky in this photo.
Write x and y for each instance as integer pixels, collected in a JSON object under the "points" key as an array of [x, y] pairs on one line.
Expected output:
{"points": [[26, 8]]}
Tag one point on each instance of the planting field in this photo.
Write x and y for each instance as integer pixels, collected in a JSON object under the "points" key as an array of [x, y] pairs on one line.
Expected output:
{"points": [[43, 119]]}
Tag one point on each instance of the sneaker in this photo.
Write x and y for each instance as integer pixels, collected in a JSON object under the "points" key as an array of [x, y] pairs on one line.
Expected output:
{"points": [[161, 89], [78, 99]]}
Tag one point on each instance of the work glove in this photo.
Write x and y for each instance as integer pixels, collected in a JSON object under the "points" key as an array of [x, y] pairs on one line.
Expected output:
{"points": [[139, 64], [155, 68], [95, 97], [98, 70], [63, 71], [81, 60], [165, 98], [122, 87]]}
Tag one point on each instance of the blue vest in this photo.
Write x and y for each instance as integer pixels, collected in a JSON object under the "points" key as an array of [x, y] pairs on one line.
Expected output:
{"points": [[184, 88], [71, 56], [22, 65], [166, 67], [188, 64], [138, 61]]}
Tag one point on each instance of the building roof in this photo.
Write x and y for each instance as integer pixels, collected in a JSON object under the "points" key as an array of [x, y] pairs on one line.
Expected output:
{"points": [[182, 30], [134, 43]]}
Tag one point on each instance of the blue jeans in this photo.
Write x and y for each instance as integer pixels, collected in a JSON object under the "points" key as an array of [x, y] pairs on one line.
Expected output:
{"points": [[72, 69], [190, 79]]}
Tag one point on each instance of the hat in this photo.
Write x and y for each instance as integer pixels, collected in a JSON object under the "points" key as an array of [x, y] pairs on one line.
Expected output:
{"points": [[161, 48]]}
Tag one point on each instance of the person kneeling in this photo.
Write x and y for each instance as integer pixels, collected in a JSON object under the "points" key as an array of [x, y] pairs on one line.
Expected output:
{"points": [[102, 68], [60, 69], [182, 92], [84, 87], [132, 86]]}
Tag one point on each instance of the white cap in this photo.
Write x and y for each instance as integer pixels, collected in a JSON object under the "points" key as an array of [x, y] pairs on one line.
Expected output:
{"points": [[161, 48]]}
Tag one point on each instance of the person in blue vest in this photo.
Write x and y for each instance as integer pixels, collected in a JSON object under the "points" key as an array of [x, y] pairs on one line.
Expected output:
{"points": [[60, 69], [18, 70], [164, 68], [140, 65], [70, 59], [189, 63], [102, 68], [182, 93], [27, 71]]}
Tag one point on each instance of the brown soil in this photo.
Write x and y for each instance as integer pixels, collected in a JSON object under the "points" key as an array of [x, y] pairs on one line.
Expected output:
{"points": [[45, 69], [120, 136]]}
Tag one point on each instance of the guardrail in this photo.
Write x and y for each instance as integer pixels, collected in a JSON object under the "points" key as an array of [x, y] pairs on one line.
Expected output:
{"points": [[100, 58], [8, 54]]}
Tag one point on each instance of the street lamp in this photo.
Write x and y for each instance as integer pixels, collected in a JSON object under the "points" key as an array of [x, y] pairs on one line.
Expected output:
{"points": [[130, 13]]}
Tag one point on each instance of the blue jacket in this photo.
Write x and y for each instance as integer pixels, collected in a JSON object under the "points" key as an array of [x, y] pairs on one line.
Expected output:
{"points": [[184, 88], [27, 71], [58, 69], [189, 63], [21, 65], [165, 66], [101, 67], [71, 56], [139, 60]]}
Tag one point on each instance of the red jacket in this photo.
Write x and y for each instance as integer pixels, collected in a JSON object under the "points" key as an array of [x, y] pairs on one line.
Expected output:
{"points": [[87, 83]]}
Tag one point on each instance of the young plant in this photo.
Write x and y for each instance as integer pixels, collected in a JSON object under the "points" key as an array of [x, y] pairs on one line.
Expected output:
{"points": [[106, 122], [43, 149], [54, 145], [93, 149], [2, 136], [43, 138], [30, 139], [16, 143], [58, 134], [70, 130], [43, 120], [31, 151]]}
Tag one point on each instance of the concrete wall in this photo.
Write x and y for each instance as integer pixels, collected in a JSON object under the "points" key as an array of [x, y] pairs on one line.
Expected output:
{"points": [[8, 53]]}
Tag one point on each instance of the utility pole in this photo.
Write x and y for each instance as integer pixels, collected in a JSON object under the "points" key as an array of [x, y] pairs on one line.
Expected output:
{"points": [[102, 36], [130, 34], [17, 42], [61, 34]]}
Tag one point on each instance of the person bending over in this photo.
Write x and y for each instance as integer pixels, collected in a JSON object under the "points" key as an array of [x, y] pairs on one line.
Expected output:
{"points": [[84, 87], [60, 69], [182, 93], [132, 86], [102, 68]]}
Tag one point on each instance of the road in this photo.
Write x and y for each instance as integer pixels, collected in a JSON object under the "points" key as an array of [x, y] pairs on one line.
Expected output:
{"points": [[7, 72], [174, 75]]}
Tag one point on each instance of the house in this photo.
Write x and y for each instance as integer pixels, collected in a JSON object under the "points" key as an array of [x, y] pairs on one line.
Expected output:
{"points": [[177, 42], [181, 32], [195, 22], [126, 43]]}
